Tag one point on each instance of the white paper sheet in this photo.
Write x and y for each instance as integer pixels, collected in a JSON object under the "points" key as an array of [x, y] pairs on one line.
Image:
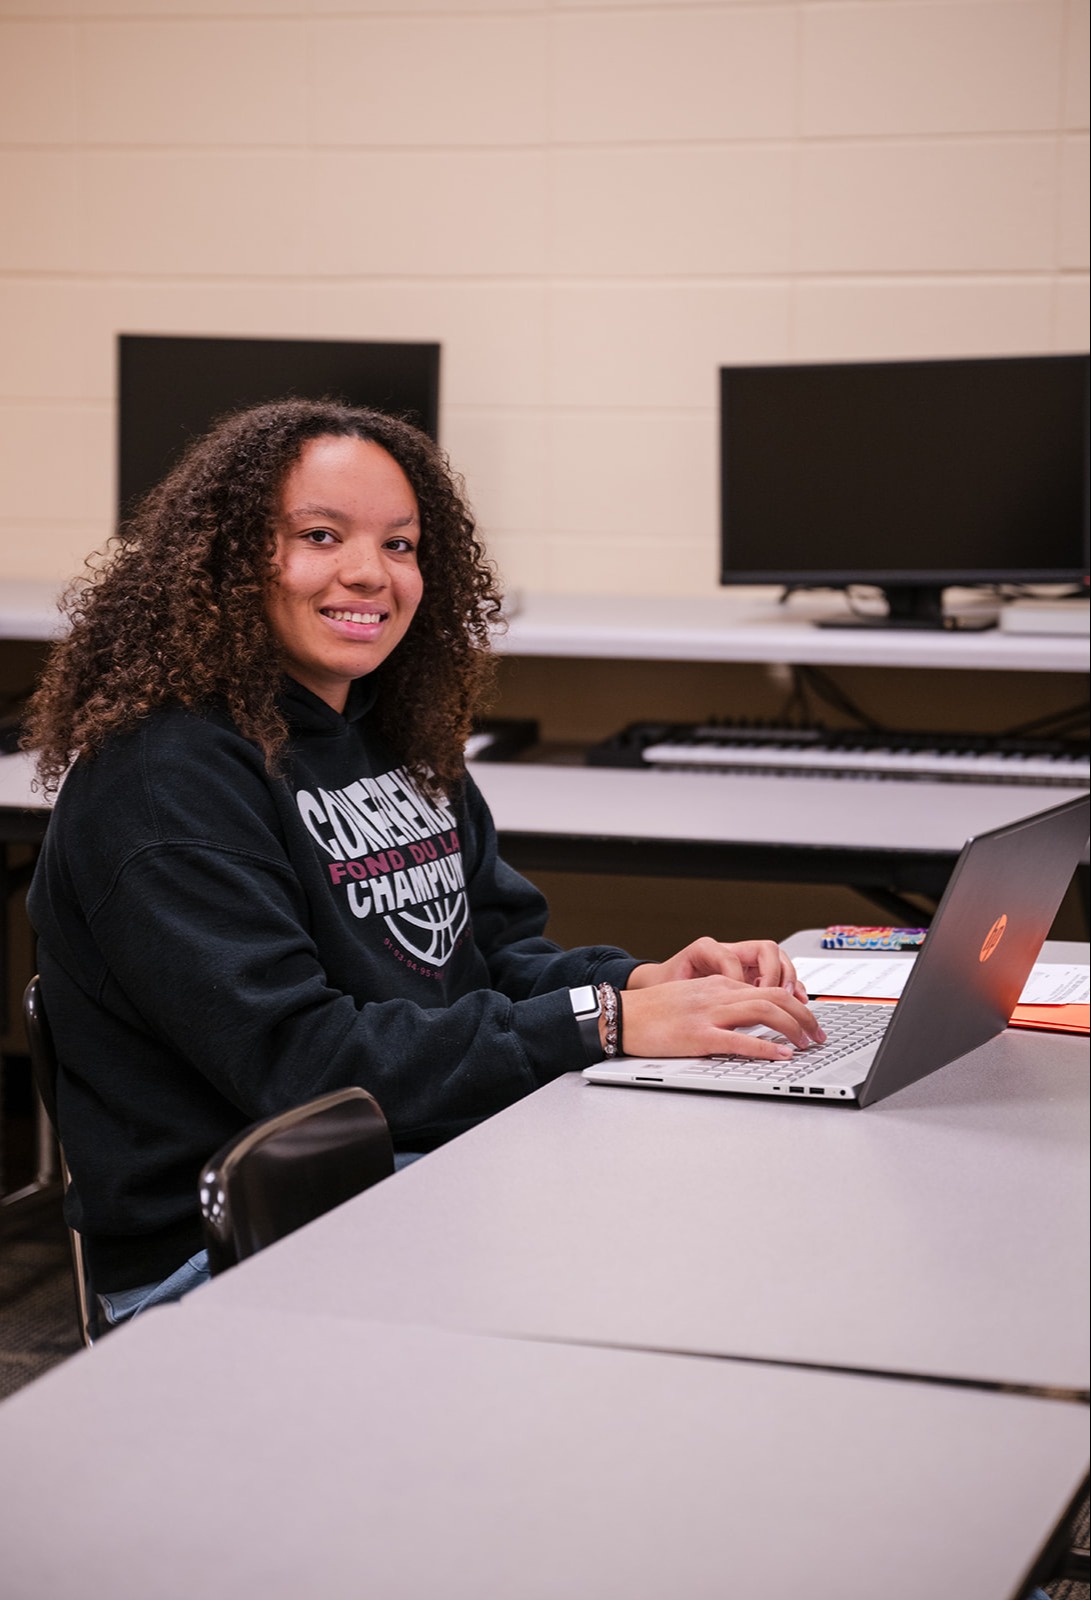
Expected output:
{"points": [[883, 978]]}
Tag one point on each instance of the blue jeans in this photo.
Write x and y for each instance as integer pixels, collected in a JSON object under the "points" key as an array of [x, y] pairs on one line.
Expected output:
{"points": [[126, 1303]]}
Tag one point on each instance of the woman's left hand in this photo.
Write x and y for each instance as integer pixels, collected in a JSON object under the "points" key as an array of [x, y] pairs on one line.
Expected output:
{"points": [[758, 962]]}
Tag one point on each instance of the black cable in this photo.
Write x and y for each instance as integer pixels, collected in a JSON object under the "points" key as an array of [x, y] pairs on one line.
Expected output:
{"points": [[830, 693], [1055, 724]]}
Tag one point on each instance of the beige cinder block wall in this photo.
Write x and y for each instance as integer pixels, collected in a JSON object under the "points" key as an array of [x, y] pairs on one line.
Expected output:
{"points": [[592, 206]]}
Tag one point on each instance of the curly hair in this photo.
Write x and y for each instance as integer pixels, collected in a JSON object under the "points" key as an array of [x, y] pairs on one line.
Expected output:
{"points": [[175, 611]]}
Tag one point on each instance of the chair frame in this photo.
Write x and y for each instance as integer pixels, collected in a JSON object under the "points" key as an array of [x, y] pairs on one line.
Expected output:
{"points": [[43, 1061]]}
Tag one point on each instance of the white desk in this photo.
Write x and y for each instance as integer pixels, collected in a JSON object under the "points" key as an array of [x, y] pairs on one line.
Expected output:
{"points": [[737, 625], [941, 1233], [809, 830], [717, 808], [750, 625], [28, 609], [16, 780], [892, 836], [337, 1417], [887, 840], [283, 1456]]}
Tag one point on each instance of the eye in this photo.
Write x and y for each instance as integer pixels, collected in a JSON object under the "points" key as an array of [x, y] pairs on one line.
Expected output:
{"points": [[318, 536], [401, 545]]}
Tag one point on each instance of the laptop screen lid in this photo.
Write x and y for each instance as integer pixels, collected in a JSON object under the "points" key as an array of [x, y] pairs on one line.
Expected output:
{"points": [[991, 923]]}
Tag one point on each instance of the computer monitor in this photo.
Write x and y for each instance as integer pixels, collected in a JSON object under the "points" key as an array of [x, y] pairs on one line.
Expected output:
{"points": [[172, 387], [910, 475]]}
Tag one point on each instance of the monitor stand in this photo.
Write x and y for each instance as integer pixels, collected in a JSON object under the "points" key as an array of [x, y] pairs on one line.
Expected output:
{"points": [[915, 606]]}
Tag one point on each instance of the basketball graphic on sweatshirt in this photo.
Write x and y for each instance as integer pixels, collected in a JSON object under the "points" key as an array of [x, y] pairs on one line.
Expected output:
{"points": [[395, 855]]}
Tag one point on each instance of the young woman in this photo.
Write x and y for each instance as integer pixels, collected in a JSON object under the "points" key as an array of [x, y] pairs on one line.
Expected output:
{"points": [[268, 873]]}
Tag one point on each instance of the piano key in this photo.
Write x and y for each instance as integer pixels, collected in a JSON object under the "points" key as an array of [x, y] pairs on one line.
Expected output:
{"points": [[1013, 767]]}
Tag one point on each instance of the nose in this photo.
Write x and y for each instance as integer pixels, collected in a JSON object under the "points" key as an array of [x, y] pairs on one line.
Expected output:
{"points": [[362, 565]]}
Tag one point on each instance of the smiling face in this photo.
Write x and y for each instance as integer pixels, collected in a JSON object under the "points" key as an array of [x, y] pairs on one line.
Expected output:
{"points": [[348, 585]]}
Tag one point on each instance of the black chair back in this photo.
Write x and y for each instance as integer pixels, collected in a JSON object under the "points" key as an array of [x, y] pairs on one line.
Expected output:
{"points": [[285, 1171]]}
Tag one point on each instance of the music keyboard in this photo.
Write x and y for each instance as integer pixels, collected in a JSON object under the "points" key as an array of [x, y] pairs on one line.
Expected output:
{"points": [[799, 752]]}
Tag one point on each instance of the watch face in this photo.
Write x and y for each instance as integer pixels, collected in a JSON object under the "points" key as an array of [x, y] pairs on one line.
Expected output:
{"points": [[585, 1000]]}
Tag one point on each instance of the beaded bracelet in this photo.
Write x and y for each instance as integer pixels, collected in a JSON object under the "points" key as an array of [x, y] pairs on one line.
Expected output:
{"points": [[611, 1011]]}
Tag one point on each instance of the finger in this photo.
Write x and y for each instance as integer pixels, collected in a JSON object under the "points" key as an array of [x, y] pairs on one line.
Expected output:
{"points": [[780, 1011], [731, 967], [714, 958], [798, 1007], [761, 962], [789, 977], [754, 1047], [778, 970]]}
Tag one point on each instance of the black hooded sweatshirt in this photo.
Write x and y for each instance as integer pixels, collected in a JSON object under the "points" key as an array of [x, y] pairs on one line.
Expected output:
{"points": [[217, 944]]}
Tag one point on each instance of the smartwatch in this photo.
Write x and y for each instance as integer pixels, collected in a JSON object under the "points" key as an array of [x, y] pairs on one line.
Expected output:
{"points": [[587, 1008]]}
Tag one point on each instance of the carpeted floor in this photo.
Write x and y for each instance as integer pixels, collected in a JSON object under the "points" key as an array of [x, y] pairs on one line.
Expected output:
{"points": [[38, 1324]]}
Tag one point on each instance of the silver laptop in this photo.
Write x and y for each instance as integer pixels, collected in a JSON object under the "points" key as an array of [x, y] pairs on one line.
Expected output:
{"points": [[994, 917]]}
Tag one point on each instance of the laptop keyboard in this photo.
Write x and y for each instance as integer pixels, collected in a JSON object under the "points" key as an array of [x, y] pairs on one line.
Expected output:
{"points": [[848, 1028]]}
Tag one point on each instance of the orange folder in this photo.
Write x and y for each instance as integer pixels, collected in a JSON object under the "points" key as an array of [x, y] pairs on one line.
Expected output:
{"points": [[1054, 1019]]}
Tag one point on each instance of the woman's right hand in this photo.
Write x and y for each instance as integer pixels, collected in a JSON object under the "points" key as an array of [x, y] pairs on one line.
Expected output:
{"points": [[699, 1016]]}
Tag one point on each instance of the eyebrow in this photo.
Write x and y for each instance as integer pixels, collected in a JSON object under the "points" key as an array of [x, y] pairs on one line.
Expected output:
{"points": [[310, 510], [330, 514]]}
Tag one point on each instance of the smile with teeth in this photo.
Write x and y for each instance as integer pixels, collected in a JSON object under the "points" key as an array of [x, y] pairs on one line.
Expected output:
{"points": [[361, 618]]}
